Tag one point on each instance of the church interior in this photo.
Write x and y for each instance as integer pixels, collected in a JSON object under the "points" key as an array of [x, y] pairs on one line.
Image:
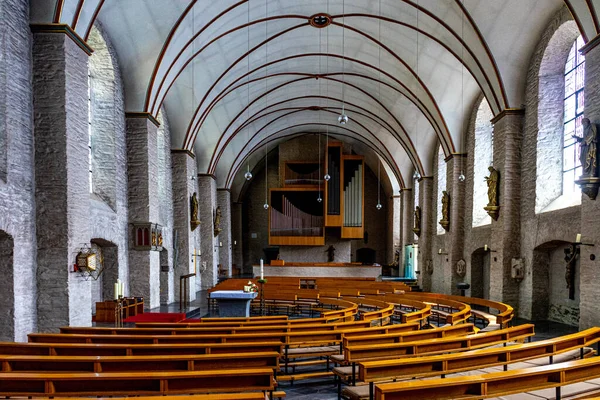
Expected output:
{"points": [[334, 199]]}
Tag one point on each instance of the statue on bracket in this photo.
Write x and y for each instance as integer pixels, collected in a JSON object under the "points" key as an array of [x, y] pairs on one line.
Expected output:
{"points": [[417, 228], [588, 156], [194, 222], [445, 221], [492, 182], [217, 221], [429, 267]]}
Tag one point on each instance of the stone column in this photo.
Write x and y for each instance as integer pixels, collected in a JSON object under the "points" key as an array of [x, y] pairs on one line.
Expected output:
{"points": [[455, 238], [505, 241], [184, 186], [142, 175], [407, 223], [60, 89], [207, 199], [395, 239], [589, 270], [224, 238], [427, 231], [236, 235]]}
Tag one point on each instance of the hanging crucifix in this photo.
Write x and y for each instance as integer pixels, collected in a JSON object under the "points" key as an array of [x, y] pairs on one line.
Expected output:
{"points": [[571, 253]]}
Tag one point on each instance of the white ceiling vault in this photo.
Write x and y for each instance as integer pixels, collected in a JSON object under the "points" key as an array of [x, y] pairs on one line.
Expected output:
{"points": [[236, 75]]}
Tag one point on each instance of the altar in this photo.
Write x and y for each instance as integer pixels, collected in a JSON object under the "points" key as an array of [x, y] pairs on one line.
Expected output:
{"points": [[321, 270], [233, 303]]}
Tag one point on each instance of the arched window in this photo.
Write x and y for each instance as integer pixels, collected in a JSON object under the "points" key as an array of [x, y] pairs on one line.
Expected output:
{"points": [[573, 114], [484, 149], [441, 186]]}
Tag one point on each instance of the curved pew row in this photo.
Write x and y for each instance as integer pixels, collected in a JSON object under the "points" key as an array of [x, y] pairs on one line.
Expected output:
{"points": [[544, 352], [503, 315], [413, 345], [135, 383], [495, 384]]}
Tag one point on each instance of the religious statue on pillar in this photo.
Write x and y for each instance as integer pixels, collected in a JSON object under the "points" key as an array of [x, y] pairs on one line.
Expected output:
{"points": [[492, 183], [330, 253], [588, 156], [217, 221], [417, 227], [445, 221], [194, 222]]}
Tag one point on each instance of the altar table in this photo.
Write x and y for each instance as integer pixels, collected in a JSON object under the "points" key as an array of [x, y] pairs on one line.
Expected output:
{"points": [[233, 303]]}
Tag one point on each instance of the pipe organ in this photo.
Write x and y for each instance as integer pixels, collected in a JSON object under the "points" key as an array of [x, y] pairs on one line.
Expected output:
{"points": [[295, 215]]}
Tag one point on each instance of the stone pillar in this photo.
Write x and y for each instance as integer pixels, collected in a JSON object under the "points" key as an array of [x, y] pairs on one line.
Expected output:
{"points": [[184, 186], [505, 241], [60, 89], [224, 238], [407, 220], [207, 199], [589, 270], [142, 175], [428, 214], [455, 237], [236, 235]]}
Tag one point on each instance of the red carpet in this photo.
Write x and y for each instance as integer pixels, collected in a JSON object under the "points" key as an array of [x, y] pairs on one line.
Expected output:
{"points": [[156, 317]]}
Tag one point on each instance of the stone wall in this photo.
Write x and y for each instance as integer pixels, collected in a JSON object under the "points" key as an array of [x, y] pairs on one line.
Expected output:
{"points": [[17, 202]]}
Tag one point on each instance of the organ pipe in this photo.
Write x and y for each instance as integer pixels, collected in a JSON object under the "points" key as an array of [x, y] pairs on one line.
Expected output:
{"points": [[353, 198], [292, 221]]}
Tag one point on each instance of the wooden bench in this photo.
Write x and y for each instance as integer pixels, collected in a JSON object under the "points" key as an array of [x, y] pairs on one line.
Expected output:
{"points": [[568, 347], [221, 396], [361, 353], [192, 362], [84, 349], [135, 383], [494, 384]]}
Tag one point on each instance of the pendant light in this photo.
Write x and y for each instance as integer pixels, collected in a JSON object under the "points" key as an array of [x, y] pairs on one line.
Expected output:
{"points": [[266, 205], [343, 118], [327, 177], [319, 199], [462, 177], [248, 174], [416, 174], [378, 206]]}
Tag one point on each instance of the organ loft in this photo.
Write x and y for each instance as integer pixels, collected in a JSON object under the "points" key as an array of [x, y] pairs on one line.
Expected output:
{"points": [[262, 199]]}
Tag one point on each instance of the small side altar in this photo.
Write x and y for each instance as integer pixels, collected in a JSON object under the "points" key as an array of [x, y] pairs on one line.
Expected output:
{"points": [[233, 303], [320, 270]]}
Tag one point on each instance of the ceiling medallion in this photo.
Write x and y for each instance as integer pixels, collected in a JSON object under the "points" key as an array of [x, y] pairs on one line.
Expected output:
{"points": [[320, 20]]}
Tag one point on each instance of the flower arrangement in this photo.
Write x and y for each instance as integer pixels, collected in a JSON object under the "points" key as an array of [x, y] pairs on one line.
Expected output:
{"points": [[250, 287]]}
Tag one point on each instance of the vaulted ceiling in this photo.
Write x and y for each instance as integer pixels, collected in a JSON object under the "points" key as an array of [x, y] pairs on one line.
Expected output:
{"points": [[236, 75]]}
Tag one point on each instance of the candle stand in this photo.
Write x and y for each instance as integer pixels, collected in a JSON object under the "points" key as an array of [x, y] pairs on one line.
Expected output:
{"points": [[262, 282]]}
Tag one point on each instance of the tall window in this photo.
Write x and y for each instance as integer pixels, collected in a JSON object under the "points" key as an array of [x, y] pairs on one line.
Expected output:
{"points": [[90, 170], [441, 186], [483, 150], [573, 114]]}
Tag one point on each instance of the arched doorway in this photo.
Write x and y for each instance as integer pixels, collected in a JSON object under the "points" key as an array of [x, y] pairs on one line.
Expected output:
{"points": [[7, 309], [550, 299], [480, 274], [108, 254]]}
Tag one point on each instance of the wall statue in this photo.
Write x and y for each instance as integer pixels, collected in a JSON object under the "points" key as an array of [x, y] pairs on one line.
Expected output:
{"points": [[587, 148], [493, 181], [588, 155], [194, 212], [429, 267], [445, 221], [330, 253], [217, 221], [417, 228], [461, 268]]}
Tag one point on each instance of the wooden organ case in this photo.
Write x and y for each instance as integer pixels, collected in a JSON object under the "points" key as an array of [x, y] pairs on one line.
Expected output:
{"points": [[296, 218]]}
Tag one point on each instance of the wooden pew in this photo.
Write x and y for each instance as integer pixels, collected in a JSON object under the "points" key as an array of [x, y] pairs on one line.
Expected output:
{"points": [[189, 362], [383, 351], [441, 365], [220, 396], [84, 349], [134, 383], [493, 384]]}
